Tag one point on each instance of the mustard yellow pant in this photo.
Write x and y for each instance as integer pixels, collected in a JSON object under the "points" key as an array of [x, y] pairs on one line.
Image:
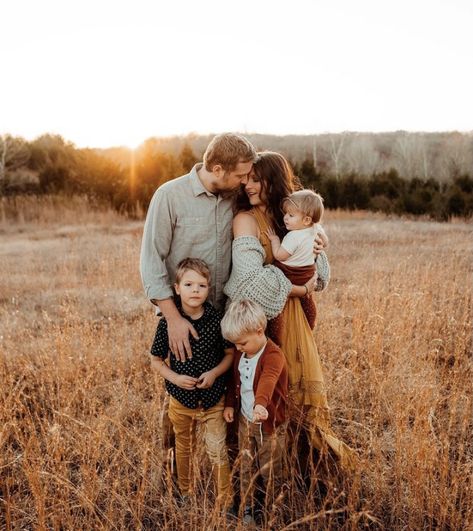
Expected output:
{"points": [[260, 453], [184, 421]]}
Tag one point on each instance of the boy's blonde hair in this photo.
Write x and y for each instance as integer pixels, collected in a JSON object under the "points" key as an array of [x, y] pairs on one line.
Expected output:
{"points": [[227, 150], [242, 317], [192, 264], [308, 202]]}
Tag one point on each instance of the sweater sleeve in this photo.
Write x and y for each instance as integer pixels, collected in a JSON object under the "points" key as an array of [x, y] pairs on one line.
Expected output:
{"points": [[323, 272], [271, 371], [251, 279]]}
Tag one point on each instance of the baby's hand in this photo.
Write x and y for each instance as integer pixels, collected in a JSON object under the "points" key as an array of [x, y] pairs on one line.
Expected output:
{"points": [[228, 414], [273, 237], [260, 413]]}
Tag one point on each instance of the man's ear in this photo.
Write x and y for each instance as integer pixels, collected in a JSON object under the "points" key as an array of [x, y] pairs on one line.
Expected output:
{"points": [[218, 171], [260, 331]]}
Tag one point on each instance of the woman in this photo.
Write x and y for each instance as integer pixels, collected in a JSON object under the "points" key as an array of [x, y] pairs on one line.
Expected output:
{"points": [[253, 276]]}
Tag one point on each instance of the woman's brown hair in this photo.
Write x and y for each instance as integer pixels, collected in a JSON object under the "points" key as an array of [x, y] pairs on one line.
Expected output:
{"points": [[277, 182]]}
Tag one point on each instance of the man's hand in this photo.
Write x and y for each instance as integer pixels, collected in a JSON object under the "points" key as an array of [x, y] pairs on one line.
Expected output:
{"points": [[185, 382], [260, 413], [178, 334], [206, 380], [229, 414]]}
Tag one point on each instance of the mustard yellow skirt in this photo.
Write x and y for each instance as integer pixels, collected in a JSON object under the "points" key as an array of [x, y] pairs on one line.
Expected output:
{"points": [[306, 384]]}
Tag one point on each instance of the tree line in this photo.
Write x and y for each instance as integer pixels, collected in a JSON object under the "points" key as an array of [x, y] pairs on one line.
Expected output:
{"points": [[345, 173]]}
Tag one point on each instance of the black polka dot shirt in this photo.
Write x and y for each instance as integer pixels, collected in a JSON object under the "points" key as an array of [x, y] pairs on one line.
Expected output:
{"points": [[207, 353]]}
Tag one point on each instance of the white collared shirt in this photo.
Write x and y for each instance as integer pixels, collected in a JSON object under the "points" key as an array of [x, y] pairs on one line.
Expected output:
{"points": [[246, 368]]}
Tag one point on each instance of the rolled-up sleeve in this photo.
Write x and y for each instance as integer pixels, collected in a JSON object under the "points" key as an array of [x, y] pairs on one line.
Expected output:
{"points": [[155, 247]]}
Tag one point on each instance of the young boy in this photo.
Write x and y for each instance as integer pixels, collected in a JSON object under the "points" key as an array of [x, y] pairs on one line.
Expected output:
{"points": [[258, 391], [294, 255], [197, 385]]}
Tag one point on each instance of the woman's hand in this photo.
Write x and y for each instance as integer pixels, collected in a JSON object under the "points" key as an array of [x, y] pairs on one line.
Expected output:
{"points": [[229, 414], [320, 242], [312, 283], [305, 289]]}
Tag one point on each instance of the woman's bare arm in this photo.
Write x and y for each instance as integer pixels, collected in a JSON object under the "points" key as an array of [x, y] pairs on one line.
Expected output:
{"points": [[244, 224]]}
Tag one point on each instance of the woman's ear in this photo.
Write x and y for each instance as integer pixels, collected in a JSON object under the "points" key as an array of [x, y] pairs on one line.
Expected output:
{"points": [[176, 288]]}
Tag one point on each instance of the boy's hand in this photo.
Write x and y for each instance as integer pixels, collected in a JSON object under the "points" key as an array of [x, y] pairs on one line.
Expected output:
{"points": [[229, 414], [273, 237], [260, 413], [206, 380], [185, 382]]}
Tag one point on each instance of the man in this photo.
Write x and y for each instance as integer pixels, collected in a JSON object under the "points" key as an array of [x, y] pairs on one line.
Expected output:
{"points": [[191, 216]]}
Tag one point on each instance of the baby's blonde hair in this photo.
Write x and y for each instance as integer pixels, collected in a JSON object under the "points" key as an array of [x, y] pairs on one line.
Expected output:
{"points": [[242, 317], [306, 201]]}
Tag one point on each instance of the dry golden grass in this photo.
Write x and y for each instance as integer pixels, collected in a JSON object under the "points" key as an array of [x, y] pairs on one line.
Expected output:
{"points": [[80, 439]]}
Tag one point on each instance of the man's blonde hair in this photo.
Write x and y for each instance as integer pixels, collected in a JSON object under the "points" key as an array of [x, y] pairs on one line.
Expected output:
{"points": [[242, 317], [192, 264], [306, 201], [227, 150]]}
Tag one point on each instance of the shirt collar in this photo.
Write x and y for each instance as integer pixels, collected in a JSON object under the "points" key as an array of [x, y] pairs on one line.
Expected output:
{"points": [[196, 184], [205, 315], [258, 354]]}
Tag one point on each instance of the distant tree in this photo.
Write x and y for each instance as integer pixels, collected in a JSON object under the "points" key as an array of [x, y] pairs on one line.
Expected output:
{"points": [[337, 143], [100, 176], [464, 183], [388, 184], [57, 162], [410, 153], [187, 157], [14, 153], [354, 193], [53, 179], [153, 168], [456, 202], [361, 156], [458, 154], [308, 173], [330, 191]]}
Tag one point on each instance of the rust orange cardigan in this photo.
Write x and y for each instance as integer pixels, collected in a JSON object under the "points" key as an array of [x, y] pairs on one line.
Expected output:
{"points": [[270, 385]]}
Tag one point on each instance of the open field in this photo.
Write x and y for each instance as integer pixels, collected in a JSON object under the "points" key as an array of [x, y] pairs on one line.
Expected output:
{"points": [[80, 439]]}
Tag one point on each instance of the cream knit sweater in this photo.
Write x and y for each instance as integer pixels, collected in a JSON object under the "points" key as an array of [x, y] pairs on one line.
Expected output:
{"points": [[265, 284]]}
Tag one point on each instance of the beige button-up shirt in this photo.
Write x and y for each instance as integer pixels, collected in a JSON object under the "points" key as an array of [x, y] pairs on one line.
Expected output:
{"points": [[186, 220]]}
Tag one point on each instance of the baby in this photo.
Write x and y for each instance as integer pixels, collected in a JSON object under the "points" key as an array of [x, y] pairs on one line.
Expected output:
{"points": [[294, 255]]}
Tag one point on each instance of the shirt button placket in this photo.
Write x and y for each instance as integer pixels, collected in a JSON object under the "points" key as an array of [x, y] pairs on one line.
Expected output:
{"points": [[218, 250]]}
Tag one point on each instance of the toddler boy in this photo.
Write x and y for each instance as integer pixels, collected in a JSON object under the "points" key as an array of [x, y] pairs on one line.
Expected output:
{"points": [[258, 392]]}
